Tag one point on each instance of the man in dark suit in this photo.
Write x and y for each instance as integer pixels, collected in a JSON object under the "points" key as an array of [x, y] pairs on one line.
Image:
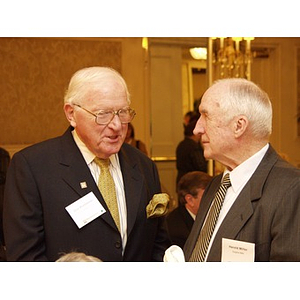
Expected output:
{"points": [[261, 209], [52, 202], [180, 220]]}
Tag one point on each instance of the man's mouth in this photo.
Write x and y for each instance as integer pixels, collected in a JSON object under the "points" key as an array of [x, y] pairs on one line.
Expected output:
{"points": [[113, 138]]}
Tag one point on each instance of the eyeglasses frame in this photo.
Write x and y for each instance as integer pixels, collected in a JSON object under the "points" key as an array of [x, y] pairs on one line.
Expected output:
{"points": [[115, 113]]}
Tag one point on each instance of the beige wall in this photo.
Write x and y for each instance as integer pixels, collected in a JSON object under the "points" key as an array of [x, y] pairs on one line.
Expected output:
{"points": [[134, 70], [278, 76], [34, 74]]}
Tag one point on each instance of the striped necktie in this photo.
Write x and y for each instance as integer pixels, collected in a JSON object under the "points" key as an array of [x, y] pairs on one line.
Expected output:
{"points": [[106, 186], [199, 252]]}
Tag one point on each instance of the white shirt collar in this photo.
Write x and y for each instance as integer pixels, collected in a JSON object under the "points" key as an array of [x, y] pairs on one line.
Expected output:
{"points": [[242, 173]]}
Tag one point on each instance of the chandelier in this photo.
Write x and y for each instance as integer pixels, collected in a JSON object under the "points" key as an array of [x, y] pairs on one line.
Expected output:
{"points": [[231, 57]]}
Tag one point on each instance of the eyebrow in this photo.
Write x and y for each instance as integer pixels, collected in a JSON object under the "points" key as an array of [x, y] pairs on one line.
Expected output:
{"points": [[203, 111]]}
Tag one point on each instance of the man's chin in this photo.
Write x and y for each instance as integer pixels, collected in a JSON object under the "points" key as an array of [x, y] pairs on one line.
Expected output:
{"points": [[207, 154], [108, 150], [113, 149]]}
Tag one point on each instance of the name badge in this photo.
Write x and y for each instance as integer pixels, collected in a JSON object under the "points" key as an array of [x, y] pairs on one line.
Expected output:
{"points": [[85, 210], [238, 251]]}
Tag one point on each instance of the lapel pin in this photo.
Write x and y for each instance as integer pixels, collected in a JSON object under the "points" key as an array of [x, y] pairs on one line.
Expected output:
{"points": [[83, 185]]}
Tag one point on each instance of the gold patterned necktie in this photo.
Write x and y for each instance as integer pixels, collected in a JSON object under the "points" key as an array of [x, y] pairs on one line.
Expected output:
{"points": [[199, 252], [106, 186]]}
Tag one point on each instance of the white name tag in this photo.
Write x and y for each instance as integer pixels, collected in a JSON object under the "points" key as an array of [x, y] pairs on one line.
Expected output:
{"points": [[85, 210], [239, 251]]}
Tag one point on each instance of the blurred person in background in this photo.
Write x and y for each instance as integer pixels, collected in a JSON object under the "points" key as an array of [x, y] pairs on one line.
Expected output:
{"points": [[190, 189]]}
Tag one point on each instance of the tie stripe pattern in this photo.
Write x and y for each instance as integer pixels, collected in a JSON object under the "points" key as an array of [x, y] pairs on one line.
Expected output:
{"points": [[106, 186], [199, 252]]}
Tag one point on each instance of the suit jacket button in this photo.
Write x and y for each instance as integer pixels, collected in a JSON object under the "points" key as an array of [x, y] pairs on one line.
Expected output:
{"points": [[118, 245]]}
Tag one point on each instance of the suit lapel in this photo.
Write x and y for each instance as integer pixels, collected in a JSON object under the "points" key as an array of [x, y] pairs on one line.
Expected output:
{"points": [[77, 175], [242, 209], [234, 221], [133, 186]]}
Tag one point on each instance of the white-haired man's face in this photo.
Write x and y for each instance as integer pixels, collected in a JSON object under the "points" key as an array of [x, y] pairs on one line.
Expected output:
{"points": [[102, 140]]}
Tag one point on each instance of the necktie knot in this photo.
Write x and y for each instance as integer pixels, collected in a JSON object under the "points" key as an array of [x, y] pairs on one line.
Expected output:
{"points": [[102, 163], [226, 180]]}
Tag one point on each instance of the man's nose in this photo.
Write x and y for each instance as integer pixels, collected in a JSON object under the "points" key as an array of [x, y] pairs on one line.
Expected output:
{"points": [[115, 121], [199, 128]]}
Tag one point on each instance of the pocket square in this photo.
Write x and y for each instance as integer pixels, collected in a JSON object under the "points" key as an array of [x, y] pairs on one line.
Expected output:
{"points": [[158, 206]]}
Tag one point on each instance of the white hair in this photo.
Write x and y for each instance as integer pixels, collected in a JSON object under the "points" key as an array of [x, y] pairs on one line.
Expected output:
{"points": [[243, 97], [89, 79]]}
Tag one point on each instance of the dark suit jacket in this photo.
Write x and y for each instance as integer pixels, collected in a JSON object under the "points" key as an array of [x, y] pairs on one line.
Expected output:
{"points": [[266, 213], [179, 223], [45, 178], [4, 162]]}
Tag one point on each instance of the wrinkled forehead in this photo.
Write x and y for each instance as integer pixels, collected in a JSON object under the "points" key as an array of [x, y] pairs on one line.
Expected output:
{"points": [[107, 89]]}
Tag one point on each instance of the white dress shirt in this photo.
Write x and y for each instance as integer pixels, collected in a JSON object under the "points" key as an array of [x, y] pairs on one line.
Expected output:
{"points": [[238, 178], [116, 173]]}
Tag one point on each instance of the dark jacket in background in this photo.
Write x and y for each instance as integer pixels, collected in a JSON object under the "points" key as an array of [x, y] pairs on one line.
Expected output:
{"points": [[189, 157], [4, 162], [180, 223]]}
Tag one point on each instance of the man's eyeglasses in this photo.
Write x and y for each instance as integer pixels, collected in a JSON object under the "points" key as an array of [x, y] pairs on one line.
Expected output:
{"points": [[104, 117]]}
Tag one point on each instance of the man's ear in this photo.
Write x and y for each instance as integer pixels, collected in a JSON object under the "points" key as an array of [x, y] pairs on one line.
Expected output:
{"points": [[69, 112], [189, 199], [240, 125]]}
